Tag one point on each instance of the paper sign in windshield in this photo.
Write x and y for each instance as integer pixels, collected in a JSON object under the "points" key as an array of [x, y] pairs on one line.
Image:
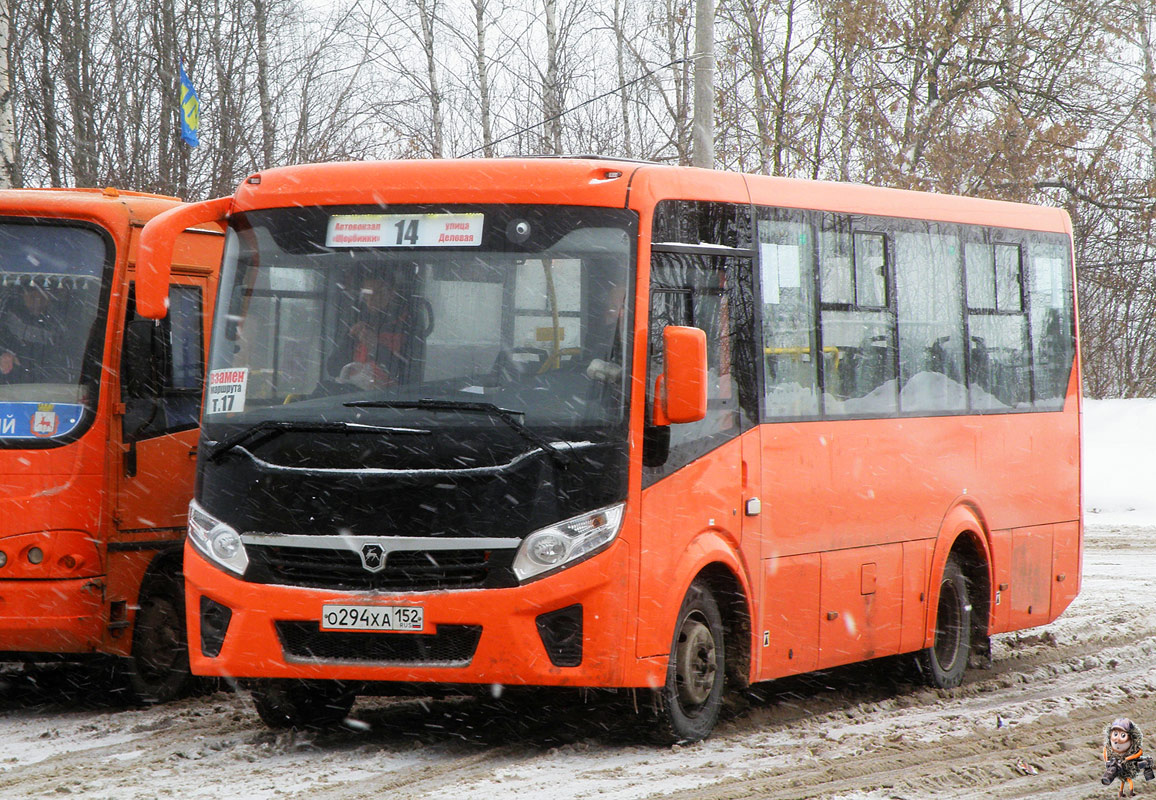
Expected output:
{"points": [[227, 390], [405, 230]]}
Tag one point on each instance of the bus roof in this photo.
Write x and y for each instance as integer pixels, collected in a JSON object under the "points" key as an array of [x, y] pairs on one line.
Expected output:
{"points": [[609, 182], [108, 206]]}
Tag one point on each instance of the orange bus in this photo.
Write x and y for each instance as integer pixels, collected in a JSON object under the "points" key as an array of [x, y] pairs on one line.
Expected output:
{"points": [[596, 423], [99, 411]]}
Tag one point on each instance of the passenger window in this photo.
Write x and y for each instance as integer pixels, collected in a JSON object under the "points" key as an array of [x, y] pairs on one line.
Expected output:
{"points": [[1052, 320], [1008, 275], [930, 304], [870, 270], [787, 280], [858, 329], [997, 351]]}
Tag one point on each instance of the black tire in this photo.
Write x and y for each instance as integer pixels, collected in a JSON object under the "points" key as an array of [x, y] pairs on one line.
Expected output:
{"points": [[302, 704], [944, 663], [157, 670], [688, 705]]}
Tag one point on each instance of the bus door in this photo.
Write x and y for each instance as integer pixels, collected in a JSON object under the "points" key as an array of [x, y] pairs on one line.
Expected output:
{"points": [[789, 460], [692, 472], [161, 380]]}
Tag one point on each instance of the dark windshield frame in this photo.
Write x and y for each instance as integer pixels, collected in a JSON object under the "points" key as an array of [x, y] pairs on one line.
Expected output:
{"points": [[92, 358], [306, 237]]}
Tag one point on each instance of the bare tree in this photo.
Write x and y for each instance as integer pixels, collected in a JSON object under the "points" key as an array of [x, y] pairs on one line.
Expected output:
{"points": [[9, 173]]}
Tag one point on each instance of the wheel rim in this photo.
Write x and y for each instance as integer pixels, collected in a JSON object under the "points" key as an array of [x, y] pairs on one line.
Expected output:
{"points": [[948, 627], [695, 664]]}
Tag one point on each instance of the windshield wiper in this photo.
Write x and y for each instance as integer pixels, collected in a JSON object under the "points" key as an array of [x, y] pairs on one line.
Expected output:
{"points": [[506, 415], [269, 429]]}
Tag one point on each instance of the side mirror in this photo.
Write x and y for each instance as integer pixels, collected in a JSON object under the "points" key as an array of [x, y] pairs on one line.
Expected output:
{"points": [[680, 391], [155, 256]]}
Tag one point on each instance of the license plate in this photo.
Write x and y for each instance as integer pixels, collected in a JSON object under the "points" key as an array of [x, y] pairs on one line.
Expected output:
{"points": [[402, 619]]}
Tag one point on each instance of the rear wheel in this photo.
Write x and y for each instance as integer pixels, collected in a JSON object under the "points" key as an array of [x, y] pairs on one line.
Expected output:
{"points": [[157, 670], [688, 705], [944, 663], [302, 704]]}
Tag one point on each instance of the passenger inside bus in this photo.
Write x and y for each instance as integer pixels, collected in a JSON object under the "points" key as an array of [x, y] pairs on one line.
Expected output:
{"points": [[31, 337]]}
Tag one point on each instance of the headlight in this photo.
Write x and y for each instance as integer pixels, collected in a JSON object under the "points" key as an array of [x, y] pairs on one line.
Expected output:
{"points": [[216, 541], [550, 549]]}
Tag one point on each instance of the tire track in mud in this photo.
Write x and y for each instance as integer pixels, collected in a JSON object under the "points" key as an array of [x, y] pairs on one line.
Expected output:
{"points": [[1060, 748], [420, 781], [143, 743], [1063, 748]]}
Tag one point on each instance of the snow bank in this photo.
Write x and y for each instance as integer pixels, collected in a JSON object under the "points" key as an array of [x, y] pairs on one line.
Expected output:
{"points": [[1120, 462]]}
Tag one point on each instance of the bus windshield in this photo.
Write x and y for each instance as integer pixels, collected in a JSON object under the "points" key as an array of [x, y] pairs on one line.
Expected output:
{"points": [[507, 317], [50, 332]]}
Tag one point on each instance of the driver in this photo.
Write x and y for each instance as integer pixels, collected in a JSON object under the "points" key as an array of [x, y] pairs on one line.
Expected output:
{"points": [[31, 335], [373, 352]]}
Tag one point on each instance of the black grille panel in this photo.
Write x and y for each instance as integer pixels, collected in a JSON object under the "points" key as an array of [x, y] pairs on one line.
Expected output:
{"points": [[405, 570], [451, 645]]}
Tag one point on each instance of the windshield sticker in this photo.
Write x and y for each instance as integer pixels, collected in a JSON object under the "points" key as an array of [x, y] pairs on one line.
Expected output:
{"points": [[38, 420], [227, 390], [405, 230]]}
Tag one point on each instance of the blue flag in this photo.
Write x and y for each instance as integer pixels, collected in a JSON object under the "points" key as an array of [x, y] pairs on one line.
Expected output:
{"points": [[190, 110]]}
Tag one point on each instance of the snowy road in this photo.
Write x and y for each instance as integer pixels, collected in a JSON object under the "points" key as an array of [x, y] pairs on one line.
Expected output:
{"points": [[861, 732]]}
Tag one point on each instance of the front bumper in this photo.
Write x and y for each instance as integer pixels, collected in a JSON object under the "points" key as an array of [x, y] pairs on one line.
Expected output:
{"points": [[470, 636]]}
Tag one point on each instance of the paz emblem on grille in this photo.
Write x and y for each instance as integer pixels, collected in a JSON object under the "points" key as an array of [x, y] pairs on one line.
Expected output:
{"points": [[373, 557]]}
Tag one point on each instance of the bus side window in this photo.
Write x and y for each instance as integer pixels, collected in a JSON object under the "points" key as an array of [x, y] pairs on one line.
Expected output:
{"points": [[162, 365], [929, 300], [858, 321], [1052, 319], [787, 283], [997, 355]]}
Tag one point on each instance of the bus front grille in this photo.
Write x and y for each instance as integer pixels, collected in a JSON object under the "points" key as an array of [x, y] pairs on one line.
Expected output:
{"points": [[404, 571], [449, 646]]}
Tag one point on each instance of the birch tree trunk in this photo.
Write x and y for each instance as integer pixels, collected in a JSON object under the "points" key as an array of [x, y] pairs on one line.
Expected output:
{"points": [[483, 69], [427, 10], [8, 168], [261, 23]]}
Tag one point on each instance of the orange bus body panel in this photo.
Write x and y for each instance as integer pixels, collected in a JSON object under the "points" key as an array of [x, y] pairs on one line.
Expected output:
{"points": [[838, 559], [64, 500]]}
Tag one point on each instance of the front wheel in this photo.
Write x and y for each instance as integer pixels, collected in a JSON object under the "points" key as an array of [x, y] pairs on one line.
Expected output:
{"points": [[302, 704], [688, 705], [944, 663]]}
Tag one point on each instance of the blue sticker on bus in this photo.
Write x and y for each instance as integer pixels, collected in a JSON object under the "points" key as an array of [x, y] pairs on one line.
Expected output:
{"points": [[39, 420]]}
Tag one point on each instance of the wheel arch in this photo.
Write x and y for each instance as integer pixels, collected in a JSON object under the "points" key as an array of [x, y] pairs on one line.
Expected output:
{"points": [[166, 565], [712, 559], [964, 534]]}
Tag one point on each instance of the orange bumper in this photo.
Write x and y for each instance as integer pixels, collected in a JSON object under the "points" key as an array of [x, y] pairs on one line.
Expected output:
{"points": [[509, 649], [51, 616]]}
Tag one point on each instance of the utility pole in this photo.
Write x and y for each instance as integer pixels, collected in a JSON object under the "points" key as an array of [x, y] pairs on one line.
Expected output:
{"points": [[702, 140]]}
